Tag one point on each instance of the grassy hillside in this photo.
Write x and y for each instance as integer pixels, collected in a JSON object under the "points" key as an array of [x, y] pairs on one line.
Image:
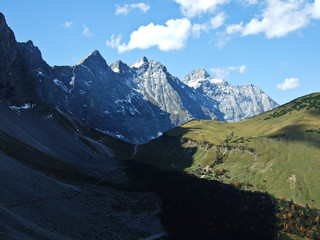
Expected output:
{"points": [[276, 152]]}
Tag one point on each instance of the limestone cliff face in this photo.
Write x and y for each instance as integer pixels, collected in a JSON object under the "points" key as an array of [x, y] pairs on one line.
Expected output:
{"points": [[235, 102], [16, 84], [158, 86]]}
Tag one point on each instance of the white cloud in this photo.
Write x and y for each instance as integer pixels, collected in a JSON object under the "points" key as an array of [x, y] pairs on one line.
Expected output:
{"points": [[224, 37], [125, 9], [250, 2], [223, 73], [198, 28], [122, 10], [192, 8], [315, 9], [279, 18], [171, 36], [86, 31], [289, 83], [142, 6], [214, 23], [67, 24], [218, 20], [234, 28], [114, 42]]}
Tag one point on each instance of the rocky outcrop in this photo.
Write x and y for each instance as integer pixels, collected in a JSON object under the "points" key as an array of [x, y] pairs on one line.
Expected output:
{"points": [[16, 84], [235, 102], [158, 86], [93, 93]]}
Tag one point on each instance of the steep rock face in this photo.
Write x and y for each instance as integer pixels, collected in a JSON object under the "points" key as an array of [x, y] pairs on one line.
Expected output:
{"points": [[110, 103], [93, 93], [16, 84], [235, 102], [167, 92]]}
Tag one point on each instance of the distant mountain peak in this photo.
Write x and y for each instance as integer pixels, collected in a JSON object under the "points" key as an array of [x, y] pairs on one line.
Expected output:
{"points": [[200, 76], [200, 73], [95, 54], [92, 59], [141, 62], [30, 43], [119, 67], [6, 34]]}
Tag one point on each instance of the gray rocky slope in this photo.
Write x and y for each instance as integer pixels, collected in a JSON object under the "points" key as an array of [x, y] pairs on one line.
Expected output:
{"points": [[235, 102], [16, 83], [60, 179], [134, 103]]}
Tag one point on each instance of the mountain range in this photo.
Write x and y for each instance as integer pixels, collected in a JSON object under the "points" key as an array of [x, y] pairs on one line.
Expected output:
{"points": [[135, 103]]}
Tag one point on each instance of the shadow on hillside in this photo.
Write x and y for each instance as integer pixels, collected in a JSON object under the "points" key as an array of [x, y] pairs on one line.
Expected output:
{"points": [[299, 133], [194, 208], [313, 113], [167, 151]]}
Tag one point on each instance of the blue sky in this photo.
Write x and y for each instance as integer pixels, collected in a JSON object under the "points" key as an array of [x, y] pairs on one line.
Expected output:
{"points": [[273, 44]]}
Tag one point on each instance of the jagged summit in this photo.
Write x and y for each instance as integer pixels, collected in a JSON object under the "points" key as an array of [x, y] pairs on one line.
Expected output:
{"points": [[236, 102], [16, 84], [7, 37], [138, 64], [199, 73], [119, 67], [93, 58], [29, 43], [95, 54], [199, 77]]}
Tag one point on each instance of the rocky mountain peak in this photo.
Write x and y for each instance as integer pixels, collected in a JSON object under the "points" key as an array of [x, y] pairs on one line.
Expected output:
{"points": [[93, 59], [198, 74], [95, 54], [33, 57], [195, 78], [140, 63], [119, 67], [16, 84], [7, 37], [200, 77]]}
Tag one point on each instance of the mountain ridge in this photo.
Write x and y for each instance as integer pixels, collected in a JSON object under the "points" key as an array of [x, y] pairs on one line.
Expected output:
{"points": [[119, 99], [236, 102]]}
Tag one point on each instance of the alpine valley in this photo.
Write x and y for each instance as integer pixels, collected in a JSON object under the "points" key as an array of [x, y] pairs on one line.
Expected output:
{"points": [[98, 151]]}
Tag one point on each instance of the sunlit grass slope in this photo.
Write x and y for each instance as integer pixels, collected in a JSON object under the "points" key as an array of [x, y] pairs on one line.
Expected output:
{"points": [[277, 151]]}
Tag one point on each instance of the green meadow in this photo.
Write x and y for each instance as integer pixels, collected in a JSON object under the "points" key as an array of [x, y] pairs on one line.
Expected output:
{"points": [[276, 152]]}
